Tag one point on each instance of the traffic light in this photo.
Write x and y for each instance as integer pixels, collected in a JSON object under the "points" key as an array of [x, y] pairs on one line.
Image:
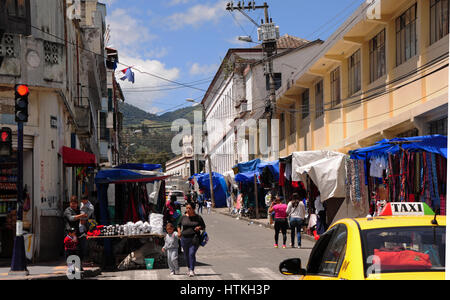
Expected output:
{"points": [[21, 103], [6, 142]]}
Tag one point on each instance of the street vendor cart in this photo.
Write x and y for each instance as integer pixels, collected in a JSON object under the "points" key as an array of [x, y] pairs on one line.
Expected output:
{"points": [[123, 197]]}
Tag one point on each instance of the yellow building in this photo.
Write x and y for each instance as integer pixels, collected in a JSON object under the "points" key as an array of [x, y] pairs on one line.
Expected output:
{"points": [[382, 74]]}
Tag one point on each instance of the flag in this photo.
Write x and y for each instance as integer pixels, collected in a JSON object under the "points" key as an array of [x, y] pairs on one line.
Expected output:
{"points": [[128, 75]]}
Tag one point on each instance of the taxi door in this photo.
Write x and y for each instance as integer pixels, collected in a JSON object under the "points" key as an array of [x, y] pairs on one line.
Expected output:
{"points": [[328, 255]]}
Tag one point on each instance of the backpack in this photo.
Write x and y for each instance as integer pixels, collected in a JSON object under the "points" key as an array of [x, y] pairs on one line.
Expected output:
{"points": [[204, 239]]}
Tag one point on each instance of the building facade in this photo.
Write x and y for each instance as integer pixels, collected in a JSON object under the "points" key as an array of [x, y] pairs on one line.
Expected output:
{"points": [[237, 99], [58, 50], [382, 74]]}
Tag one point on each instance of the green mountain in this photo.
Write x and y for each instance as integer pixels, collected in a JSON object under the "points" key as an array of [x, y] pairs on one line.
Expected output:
{"points": [[146, 137]]}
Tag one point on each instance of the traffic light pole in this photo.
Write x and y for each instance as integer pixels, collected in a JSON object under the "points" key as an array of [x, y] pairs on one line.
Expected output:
{"points": [[19, 260]]}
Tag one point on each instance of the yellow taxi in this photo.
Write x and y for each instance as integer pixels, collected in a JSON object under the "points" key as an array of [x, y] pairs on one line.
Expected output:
{"points": [[407, 241]]}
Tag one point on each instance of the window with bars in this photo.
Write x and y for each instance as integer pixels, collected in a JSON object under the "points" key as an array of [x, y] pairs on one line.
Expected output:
{"points": [[335, 79], [377, 53], [354, 72], [439, 126], [439, 19], [292, 124], [406, 35], [319, 99], [15, 16], [305, 104]]}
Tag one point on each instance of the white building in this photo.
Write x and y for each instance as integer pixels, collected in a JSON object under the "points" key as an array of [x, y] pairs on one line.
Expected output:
{"points": [[237, 99]]}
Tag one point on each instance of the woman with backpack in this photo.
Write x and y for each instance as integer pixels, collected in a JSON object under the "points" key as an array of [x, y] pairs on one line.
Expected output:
{"points": [[296, 213]]}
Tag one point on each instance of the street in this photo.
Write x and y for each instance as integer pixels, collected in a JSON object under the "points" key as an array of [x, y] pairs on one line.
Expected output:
{"points": [[236, 250]]}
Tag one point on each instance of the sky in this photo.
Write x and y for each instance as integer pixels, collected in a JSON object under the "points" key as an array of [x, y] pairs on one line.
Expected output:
{"points": [[185, 41]]}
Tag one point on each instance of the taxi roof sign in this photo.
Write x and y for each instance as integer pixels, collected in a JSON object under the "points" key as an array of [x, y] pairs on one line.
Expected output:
{"points": [[407, 209]]}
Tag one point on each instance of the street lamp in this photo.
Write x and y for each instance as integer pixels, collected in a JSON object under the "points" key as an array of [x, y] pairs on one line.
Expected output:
{"points": [[208, 156]]}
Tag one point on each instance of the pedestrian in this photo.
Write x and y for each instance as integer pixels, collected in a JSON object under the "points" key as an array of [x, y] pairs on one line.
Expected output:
{"points": [[268, 201], [71, 243], [87, 209], [189, 230], [208, 205], [200, 201], [280, 220], [296, 213], [72, 215], [171, 244]]}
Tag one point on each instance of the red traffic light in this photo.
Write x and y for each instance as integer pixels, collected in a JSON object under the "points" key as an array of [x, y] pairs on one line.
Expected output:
{"points": [[22, 90], [5, 136]]}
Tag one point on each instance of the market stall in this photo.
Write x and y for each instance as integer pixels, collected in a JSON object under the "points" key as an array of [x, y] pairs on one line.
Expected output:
{"points": [[255, 179], [405, 170], [219, 186], [131, 209]]}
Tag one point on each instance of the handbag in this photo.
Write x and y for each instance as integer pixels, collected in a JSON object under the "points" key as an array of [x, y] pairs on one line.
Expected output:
{"points": [[204, 239]]}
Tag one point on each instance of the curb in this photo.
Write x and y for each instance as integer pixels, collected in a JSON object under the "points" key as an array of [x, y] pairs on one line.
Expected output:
{"points": [[257, 221], [59, 276]]}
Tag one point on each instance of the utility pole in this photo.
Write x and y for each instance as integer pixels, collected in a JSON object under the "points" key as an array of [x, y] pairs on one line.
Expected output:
{"points": [[268, 33], [208, 155]]}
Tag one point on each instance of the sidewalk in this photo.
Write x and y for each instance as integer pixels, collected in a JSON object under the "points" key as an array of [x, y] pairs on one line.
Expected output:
{"points": [[262, 222], [48, 271]]}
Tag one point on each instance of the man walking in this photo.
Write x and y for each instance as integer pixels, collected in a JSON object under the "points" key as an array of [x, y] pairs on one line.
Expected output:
{"points": [[201, 201]]}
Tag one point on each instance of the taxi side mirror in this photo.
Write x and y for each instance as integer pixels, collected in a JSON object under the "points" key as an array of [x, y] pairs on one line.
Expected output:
{"points": [[292, 266]]}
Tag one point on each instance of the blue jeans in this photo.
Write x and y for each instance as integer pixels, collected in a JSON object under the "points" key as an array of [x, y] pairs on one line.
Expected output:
{"points": [[189, 250], [296, 225]]}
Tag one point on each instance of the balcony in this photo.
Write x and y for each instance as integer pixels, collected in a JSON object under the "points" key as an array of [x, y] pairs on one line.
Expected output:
{"points": [[83, 121]]}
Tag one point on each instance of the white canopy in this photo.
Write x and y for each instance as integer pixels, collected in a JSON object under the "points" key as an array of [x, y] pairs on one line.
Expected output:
{"points": [[325, 168]]}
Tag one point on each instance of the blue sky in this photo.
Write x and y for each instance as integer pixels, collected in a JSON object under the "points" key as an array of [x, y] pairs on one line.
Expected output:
{"points": [[185, 40]]}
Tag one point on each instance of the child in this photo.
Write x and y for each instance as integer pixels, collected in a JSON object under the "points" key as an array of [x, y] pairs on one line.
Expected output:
{"points": [[71, 243], [171, 246], [208, 206]]}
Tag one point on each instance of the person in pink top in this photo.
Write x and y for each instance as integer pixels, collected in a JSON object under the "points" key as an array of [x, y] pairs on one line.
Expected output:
{"points": [[280, 219]]}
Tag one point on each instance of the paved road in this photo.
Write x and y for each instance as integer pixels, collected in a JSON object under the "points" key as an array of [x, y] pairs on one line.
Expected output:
{"points": [[236, 250]]}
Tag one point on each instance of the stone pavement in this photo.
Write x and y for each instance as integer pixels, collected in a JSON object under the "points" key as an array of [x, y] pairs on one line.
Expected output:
{"points": [[47, 271], [262, 222]]}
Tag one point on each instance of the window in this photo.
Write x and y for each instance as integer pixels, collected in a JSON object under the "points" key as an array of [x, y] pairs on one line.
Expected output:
{"points": [[15, 16], [319, 99], [328, 254], [439, 15], [104, 131], [335, 87], [305, 104], [282, 127], [377, 58], [277, 78], [405, 249], [16, 8], [292, 124], [406, 35], [354, 72], [439, 126]]}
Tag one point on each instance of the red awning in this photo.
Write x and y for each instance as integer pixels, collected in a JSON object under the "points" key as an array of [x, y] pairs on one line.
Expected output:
{"points": [[76, 158]]}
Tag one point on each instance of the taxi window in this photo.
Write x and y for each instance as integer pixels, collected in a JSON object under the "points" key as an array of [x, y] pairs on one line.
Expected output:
{"points": [[326, 259], [408, 249]]}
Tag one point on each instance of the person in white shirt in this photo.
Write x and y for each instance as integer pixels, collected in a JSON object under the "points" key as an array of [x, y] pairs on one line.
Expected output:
{"points": [[296, 213]]}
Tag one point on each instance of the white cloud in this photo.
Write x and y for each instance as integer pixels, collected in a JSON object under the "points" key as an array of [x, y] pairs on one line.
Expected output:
{"points": [[127, 33], [197, 69], [145, 99], [197, 15]]}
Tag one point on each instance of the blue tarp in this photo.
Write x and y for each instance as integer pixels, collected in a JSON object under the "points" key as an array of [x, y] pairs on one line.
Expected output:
{"points": [[248, 166], [116, 175], [246, 177], [219, 186], [430, 143], [142, 167], [273, 166]]}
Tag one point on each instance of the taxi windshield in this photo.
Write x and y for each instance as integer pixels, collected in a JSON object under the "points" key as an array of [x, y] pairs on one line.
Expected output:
{"points": [[405, 249]]}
